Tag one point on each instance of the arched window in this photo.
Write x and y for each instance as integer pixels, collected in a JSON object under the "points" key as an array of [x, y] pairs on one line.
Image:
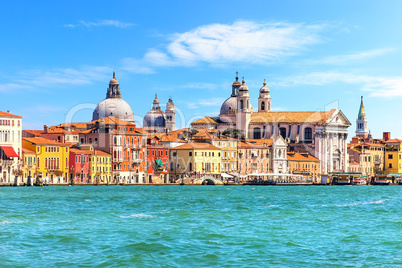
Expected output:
{"points": [[190, 167], [241, 104], [256, 133], [262, 106], [308, 134]]}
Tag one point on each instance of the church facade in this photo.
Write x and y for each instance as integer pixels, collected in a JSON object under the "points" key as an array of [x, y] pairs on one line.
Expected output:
{"points": [[322, 134]]}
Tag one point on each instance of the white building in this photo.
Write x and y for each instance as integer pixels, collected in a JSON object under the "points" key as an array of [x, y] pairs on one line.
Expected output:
{"points": [[322, 134], [10, 147]]}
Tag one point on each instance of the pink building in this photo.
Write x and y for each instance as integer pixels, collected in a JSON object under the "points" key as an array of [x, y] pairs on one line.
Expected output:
{"points": [[79, 168]]}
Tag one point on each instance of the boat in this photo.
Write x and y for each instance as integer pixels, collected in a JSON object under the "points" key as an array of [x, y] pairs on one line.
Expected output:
{"points": [[379, 180], [359, 181]]}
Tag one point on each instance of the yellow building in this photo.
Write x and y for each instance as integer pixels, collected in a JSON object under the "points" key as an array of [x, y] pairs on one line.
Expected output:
{"points": [[29, 166], [101, 167], [393, 156], [195, 158], [52, 159]]}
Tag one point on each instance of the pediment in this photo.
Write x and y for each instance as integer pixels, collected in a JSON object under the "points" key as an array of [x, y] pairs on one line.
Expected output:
{"points": [[338, 118]]}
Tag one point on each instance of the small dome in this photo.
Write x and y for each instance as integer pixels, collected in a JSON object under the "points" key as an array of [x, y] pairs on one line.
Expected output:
{"points": [[229, 106], [115, 107], [243, 86], [170, 104], [114, 81], [264, 88], [154, 118]]}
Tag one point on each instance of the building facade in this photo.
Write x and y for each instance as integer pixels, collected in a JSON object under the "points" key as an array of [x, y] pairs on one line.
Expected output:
{"points": [[322, 134], [10, 148]]}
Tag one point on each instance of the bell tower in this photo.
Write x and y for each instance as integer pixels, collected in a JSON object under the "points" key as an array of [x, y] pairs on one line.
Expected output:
{"points": [[361, 122], [113, 91], [244, 109], [170, 116], [264, 100]]}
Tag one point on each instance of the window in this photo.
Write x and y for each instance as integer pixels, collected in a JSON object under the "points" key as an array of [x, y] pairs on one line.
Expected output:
{"points": [[241, 104], [262, 106], [174, 153], [282, 132], [390, 156], [256, 133], [390, 165], [308, 134], [190, 154]]}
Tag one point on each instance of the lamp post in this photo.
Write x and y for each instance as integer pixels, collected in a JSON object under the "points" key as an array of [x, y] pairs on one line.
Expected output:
{"points": [[182, 175]]}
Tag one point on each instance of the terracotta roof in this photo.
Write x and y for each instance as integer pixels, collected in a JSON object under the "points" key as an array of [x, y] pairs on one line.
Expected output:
{"points": [[27, 151], [394, 141], [34, 132], [266, 142], [99, 152], [301, 157], [43, 141], [197, 145], [73, 125], [291, 117], [247, 144], [205, 120], [110, 120], [79, 151], [4, 114]]}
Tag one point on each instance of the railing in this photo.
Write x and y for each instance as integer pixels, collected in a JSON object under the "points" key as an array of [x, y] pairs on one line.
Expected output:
{"points": [[136, 161], [6, 162]]}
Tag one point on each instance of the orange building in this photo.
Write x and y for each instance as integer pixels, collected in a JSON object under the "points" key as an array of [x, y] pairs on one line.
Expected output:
{"points": [[304, 164]]}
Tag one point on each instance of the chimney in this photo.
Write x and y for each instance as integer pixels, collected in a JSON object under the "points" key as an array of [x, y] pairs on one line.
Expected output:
{"points": [[45, 128], [386, 136], [8, 111]]}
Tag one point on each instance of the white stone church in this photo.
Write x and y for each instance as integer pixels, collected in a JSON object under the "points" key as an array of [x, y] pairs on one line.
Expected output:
{"points": [[322, 134]]}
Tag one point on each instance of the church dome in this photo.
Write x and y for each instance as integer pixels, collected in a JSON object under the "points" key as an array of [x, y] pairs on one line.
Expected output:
{"points": [[154, 118], [243, 86], [229, 106], [115, 107], [264, 88]]}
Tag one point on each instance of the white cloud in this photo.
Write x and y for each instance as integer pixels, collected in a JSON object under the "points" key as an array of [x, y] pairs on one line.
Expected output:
{"points": [[350, 58], [12, 87], [99, 23], [219, 44], [205, 103], [69, 76], [378, 86]]}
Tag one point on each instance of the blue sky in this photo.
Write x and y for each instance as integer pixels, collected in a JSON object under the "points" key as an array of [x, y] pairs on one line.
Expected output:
{"points": [[57, 57]]}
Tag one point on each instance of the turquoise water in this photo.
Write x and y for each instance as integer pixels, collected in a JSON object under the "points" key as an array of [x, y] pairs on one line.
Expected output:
{"points": [[298, 226]]}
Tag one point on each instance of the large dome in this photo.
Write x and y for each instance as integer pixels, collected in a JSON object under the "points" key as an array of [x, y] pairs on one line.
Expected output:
{"points": [[115, 107], [229, 106], [154, 119]]}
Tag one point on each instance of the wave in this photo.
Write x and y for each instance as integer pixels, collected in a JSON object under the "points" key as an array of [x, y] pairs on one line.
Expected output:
{"points": [[350, 204], [139, 215]]}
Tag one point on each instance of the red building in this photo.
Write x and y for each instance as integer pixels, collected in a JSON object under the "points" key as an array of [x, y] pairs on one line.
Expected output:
{"points": [[79, 168], [157, 161]]}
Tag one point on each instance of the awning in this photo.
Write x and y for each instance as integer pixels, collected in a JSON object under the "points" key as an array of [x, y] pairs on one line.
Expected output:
{"points": [[159, 162], [225, 175], [9, 151]]}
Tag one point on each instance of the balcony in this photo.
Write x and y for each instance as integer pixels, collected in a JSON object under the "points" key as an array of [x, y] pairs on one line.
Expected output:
{"points": [[6, 162], [136, 161]]}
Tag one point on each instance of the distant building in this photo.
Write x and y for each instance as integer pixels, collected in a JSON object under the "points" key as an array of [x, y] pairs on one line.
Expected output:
{"points": [[113, 105], [304, 164], [322, 134], [160, 121], [10, 148], [52, 163], [361, 122]]}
